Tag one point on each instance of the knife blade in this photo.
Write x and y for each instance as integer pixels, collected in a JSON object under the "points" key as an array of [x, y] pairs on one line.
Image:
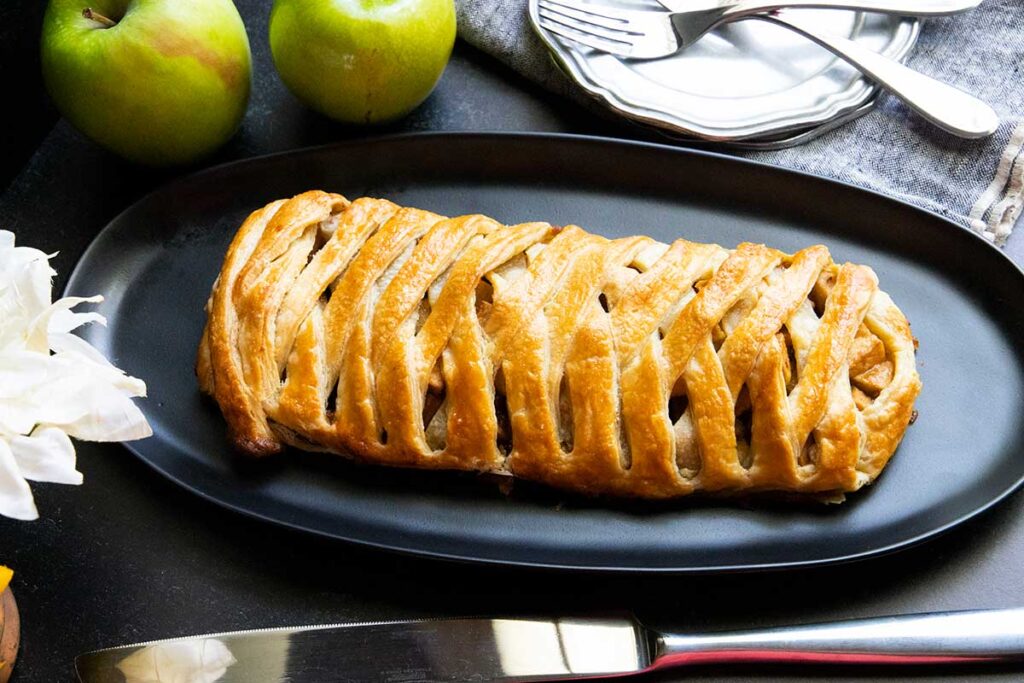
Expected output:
{"points": [[544, 649], [389, 652]]}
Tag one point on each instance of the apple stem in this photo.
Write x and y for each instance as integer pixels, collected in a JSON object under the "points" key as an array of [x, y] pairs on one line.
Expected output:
{"points": [[90, 13]]}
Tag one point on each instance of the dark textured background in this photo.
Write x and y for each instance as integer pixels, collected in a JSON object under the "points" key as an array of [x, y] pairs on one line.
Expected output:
{"points": [[130, 557], [26, 114]]}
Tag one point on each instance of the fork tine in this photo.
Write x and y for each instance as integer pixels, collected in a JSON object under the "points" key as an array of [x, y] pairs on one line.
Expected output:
{"points": [[592, 19], [585, 29], [586, 23], [602, 11], [612, 47]]}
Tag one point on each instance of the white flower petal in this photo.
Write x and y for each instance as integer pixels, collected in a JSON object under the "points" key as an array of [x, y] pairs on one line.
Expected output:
{"points": [[101, 373], [53, 384], [47, 455], [63, 319], [67, 344], [16, 418], [111, 416], [21, 371], [32, 284], [37, 337], [15, 495], [25, 291]]}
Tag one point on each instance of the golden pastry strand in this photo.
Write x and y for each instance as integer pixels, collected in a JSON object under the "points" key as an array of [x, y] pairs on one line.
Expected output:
{"points": [[622, 367]]}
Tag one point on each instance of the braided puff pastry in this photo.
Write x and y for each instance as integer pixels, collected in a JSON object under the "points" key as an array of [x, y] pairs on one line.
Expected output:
{"points": [[624, 367]]}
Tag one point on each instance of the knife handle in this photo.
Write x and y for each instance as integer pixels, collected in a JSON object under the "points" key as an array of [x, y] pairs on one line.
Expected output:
{"points": [[940, 637]]}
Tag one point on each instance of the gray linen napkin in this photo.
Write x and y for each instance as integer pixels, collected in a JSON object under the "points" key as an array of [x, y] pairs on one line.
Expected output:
{"points": [[979, 184]]}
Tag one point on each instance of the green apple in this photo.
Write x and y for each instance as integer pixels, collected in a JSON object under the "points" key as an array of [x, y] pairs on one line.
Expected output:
{"points": [[362, 61], [157, 81]]}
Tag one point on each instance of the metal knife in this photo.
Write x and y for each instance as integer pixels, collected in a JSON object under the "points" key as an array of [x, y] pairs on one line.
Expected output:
{"points": [[544, 649]]}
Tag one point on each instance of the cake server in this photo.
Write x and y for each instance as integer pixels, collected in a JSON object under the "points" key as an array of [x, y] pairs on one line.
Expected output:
{"points": [[546, 649]]}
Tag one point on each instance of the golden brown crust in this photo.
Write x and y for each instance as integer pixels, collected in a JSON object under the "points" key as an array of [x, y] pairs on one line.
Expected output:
{"points": [[623, 367]]}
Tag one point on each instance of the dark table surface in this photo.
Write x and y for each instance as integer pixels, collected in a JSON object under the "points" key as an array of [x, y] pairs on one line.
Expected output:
{"points": [[130, 557]]}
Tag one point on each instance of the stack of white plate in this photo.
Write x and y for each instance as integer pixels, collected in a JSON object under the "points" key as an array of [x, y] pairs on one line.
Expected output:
{"points": [[748, 83]]}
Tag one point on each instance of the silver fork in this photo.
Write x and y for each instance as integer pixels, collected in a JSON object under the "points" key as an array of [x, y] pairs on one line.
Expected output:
{"points": [[650, 34]]}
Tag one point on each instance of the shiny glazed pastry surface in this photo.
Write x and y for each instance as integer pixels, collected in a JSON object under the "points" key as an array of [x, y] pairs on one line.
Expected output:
{"points": [[622, 367]]}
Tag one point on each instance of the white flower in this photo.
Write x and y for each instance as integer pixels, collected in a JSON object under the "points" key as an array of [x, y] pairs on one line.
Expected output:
{"points": [[53, 384]]}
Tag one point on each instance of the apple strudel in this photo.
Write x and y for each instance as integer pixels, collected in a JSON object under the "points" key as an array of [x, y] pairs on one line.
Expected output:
{"points": [[622, 367]]}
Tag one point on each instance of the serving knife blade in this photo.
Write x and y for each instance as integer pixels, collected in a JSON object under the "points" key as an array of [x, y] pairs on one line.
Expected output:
{"points": [[406, 652], [543, 649]]}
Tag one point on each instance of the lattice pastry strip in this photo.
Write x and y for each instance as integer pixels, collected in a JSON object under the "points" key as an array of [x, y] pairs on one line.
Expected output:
{"points": [[621, 367]]}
